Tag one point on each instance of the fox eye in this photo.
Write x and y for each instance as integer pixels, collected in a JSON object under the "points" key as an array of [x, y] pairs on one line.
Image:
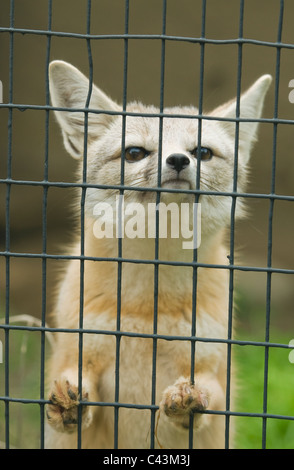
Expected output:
{"points": [[205, 153], [134, 154]]}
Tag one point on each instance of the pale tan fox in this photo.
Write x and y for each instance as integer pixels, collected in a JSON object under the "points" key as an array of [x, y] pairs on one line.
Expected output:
{"points": [[155, 298]]}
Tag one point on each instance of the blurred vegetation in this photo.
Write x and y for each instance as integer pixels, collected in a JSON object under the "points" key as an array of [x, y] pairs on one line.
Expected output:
{"points": [[24, 382], [250, 362]]}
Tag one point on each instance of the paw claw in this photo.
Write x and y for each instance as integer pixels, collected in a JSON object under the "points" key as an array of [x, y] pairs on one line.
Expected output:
{"points": [[72, 395]]}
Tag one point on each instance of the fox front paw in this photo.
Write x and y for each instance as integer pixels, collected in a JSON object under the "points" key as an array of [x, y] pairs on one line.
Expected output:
{"points": [[182, 400], [62, 412]]}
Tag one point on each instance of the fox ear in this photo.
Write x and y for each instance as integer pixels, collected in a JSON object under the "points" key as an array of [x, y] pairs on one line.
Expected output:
{"points": [[251, 104], [69, 88]]}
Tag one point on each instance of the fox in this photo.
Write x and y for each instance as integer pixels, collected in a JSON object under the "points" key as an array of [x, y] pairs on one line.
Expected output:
{"points": [[132, 362]]}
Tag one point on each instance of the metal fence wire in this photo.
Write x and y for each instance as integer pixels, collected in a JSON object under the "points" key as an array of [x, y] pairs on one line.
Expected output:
{"points": [[8, 182]]}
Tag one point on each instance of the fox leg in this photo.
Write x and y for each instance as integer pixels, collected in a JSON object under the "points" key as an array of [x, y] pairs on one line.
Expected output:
{"points": [[63, 410], [67, 406]]}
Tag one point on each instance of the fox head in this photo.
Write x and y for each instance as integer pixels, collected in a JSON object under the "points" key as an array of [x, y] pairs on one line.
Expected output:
{"points": [[140, 149]]}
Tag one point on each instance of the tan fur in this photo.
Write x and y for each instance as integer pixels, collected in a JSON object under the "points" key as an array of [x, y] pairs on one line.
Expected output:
{"points": [[176, 396]]}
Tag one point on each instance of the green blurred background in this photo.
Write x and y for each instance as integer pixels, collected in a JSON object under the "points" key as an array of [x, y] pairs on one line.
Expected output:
{"points": [[182, 72]]}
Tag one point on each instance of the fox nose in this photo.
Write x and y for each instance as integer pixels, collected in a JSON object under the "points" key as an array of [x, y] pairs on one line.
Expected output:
{"points": [[178, 161]]}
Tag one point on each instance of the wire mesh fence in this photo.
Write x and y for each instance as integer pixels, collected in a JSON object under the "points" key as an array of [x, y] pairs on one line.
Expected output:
{"points": [[41, 326]]}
